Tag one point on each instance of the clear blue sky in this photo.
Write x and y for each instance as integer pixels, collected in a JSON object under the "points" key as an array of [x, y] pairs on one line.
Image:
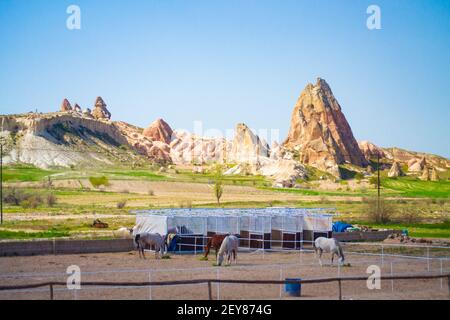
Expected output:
{"points": [[224, 62]]}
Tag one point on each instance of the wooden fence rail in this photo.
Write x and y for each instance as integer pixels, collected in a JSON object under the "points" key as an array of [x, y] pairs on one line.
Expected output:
{"points": [[209, 282]]}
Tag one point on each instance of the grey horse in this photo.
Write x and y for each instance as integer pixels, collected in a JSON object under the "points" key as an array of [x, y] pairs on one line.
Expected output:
{"points": [[145, 239]]}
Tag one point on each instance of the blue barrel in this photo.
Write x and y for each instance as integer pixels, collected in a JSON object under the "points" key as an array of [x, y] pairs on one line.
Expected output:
{"points": [[293, 289]]}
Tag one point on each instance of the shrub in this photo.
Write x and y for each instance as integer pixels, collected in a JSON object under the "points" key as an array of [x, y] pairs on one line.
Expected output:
{"points": [[409, 216], [125, 191], [150, 192], [31, 202], [99, 181], [379, 210], [373, 180], [50, 199], [185, 204], [14, 196], [121, 204]]}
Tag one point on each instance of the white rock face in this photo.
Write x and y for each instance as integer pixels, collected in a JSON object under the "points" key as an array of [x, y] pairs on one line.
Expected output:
{"points": [[246, 146], [186, 148]]}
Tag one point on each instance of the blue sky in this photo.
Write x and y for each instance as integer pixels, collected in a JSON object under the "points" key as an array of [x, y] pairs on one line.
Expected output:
{"points": [[224, 62]]}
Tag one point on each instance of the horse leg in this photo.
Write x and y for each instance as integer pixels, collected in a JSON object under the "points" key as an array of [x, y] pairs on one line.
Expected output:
{"points": [[320, 256], [332, 258], [143, 254]]}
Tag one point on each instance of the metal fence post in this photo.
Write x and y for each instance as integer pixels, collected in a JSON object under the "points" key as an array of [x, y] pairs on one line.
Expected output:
{"points": [[150, 287], [218, 284], [340, 289], [442, 280], [392, 280], [209, 290], [281, 279], [428, 259], [382, 255], [51, 292], [448, 283]]}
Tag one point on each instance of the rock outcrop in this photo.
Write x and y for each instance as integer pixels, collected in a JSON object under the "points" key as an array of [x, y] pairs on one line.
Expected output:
{"points": [[434, 175], [87, 113], [159, 130], [417, 165], [370, 150], [187, 148], [319, 131], [425, 174], [100, 111], [65, 106], [77, 108], [246, 146], [396, 170]]}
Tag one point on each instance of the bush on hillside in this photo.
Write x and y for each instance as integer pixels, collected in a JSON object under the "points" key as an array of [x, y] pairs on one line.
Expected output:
{"points": [[379, 210], [99, 181]]}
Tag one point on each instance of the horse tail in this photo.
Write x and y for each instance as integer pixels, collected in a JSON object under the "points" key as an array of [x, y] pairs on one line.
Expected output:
{"points": [[339, 247]]}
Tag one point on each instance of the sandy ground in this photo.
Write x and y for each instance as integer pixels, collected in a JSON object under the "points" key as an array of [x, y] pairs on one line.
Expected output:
{"points": [[128, 267]]}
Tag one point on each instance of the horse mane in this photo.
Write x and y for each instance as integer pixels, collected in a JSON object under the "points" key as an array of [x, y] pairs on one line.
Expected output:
{"points": [[224, 245]]}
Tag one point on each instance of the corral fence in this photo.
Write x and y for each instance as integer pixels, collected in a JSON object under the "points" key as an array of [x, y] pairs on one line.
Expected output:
{"points": [[209, 282]]}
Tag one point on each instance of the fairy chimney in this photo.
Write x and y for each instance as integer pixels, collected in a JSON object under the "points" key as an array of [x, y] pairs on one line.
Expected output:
{"points": [[100, 111]]}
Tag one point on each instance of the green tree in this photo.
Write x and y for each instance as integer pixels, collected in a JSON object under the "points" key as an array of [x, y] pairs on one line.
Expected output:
{"points": [[218, 182]]}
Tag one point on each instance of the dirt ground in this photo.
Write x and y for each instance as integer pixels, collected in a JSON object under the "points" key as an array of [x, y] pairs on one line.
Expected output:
{"points": [[257, 265], [167, 193]]}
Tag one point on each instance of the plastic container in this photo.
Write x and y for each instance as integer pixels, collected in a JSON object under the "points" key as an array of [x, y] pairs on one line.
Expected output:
{"points": [[293, 289]]}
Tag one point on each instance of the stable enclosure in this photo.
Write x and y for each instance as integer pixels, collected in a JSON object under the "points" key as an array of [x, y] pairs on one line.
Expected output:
{"points": [[267, 228]]}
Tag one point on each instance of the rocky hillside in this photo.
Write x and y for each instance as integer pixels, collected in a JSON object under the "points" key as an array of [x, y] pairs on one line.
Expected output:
{"points": [[319, 136]]}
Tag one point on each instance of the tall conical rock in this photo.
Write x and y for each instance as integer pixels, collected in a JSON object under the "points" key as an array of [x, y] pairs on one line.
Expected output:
{"points": [[425, 174], [246, 146], [319, 131], [100, 111], [159, 130], [395, 171], [65, 106], [434, 174]]}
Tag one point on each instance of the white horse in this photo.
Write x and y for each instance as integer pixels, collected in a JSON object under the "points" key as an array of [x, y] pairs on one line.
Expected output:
{"points": [[329, 245], [229, 247], [150, 239]]}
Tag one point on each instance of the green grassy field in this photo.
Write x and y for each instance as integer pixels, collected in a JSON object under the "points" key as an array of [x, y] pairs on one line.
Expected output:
{"points": [[413, 187], [25, 173], [68, 217]]}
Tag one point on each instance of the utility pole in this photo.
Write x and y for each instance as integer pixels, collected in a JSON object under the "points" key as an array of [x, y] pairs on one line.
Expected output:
{"points": [[1, 183], [378, 182]]}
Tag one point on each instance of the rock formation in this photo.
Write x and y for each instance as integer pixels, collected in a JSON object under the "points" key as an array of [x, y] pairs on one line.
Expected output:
{"points": [[65, 106], [187, 148], [370, 150], [246, 146], [159, 130], [425, 174], [417, 165], [396, 170], [319, 131], [100, 111], [77, 108], [434, 175], [87, 113]]}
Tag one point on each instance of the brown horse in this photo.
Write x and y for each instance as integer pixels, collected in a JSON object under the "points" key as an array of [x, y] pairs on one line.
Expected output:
{"points": [[214, 242]]}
